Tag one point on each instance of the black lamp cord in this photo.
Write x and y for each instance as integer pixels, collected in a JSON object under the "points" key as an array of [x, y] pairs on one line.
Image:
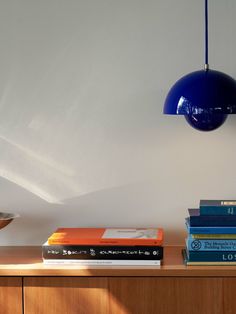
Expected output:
{"points": [[206, 66]]}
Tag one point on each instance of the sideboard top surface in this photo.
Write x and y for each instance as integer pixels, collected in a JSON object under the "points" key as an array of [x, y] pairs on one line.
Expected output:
{"points": [[27, 261]]}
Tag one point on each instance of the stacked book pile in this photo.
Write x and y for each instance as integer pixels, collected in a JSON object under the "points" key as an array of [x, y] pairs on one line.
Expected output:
{"points": [[211, 233], [104, 246]]}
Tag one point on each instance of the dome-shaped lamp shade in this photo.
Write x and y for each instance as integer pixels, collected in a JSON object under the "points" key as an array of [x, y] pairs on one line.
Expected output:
{"points": [[204, 97]]}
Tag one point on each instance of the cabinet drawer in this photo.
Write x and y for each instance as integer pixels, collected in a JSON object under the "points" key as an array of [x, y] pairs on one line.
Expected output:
{"points": [[11, 295], [123, 295]]}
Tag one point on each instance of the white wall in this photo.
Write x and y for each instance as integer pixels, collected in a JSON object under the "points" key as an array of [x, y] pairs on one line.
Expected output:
{"points": [[83, 141]]}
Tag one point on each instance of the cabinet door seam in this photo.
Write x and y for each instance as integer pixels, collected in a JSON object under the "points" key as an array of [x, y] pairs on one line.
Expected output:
{"points": [[23, 297]]}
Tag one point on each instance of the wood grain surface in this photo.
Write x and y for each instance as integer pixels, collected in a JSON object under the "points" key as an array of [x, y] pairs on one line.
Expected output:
{"points": [[172, 288], [27, 261], [11, 295], [123, 295]]}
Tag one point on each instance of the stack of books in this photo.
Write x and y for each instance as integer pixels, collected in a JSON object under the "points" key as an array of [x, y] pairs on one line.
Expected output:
{"points": [[211, 233], [104, 246]]}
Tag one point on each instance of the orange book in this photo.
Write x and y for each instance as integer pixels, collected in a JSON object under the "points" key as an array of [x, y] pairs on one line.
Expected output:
{"points": [[107, 236]]}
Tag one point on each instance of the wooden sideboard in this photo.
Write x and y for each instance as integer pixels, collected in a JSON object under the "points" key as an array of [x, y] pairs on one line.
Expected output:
{"points": [[28, 286]]}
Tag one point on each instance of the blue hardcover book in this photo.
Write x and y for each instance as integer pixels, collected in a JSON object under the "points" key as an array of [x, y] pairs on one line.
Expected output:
{"points": [[203, 263], [210, 244], [217, 207], [206, 256], [195, 219], [209, 230]]}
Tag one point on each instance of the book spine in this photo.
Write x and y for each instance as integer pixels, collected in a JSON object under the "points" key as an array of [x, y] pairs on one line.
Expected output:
{"points": [[103, 252], [118, 242], [210, 245], [209, 230], [212, 230], [218, 210], [216, 256], [201, 263], [102, 262], [213, 236], [213, 221]]}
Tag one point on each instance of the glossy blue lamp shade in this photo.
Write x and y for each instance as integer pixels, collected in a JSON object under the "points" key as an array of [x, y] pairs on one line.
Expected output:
{"points": [[204, 97]]}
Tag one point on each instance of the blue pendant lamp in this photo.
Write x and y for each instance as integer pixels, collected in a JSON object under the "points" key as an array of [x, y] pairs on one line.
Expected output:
{"points": [[204, 97]]}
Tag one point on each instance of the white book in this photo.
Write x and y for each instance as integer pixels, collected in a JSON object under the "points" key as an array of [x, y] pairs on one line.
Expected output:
{"points": [[97, 262]]}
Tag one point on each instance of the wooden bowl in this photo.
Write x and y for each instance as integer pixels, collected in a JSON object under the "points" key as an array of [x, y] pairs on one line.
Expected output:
{"points": [[6, 218]]}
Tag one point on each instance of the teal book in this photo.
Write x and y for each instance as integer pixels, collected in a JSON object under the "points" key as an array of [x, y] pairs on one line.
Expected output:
{"points": [[217, 207], [209, 230], [210, 220], [207, 256], [210, 244], [204, 263]]}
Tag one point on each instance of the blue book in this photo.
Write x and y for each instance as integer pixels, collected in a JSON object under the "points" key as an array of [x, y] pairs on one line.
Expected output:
{"points": [[203, 263], [217, 207], [209, 230], [195, 219], [206, 256], [210, 244]]}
